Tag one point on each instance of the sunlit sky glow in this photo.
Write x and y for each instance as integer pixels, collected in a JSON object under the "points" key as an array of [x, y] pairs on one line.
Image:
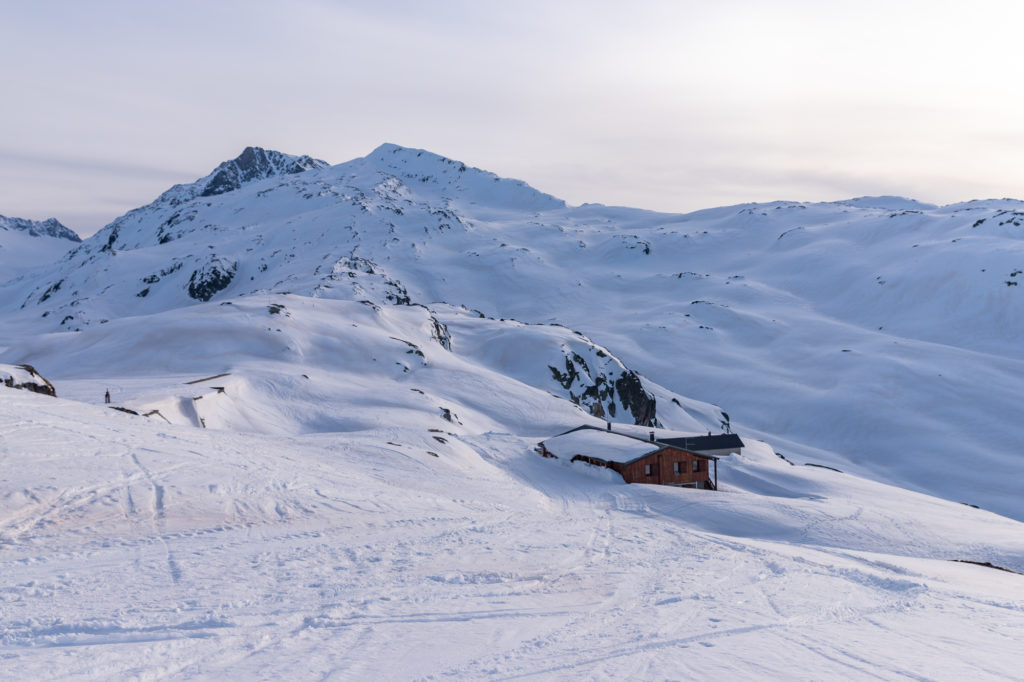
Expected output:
{"points": [[673, 106]]}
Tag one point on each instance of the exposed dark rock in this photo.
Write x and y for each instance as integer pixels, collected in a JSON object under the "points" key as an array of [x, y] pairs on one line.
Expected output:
{"points": [[636, 399], [172, 268], [400, 297], [26, 378], [255, 163], [602, 390], [109, 246], [568, 378], [440, 333], [366, 276], [213, 277], [413, 348], [986, 564], [52, 289], [448, 415], [821, 466]]}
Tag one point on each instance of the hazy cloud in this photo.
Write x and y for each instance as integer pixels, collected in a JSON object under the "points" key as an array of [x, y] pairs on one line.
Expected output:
{"points": [[669, 105], [116, 168]]}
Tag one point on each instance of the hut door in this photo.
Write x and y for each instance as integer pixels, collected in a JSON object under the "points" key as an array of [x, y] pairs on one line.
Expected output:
{"points": [[659, 469]]}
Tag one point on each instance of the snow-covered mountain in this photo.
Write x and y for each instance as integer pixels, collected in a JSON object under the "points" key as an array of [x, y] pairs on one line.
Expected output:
{"points": [[328, 382], [51, 227], [876, 335], [27, 244]]}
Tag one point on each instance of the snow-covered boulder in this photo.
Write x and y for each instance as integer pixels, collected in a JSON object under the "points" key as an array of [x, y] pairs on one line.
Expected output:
{"points": [[26, 377]]}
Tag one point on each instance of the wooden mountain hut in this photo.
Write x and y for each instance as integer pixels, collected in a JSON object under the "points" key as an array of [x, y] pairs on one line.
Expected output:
{"points": [[636, 459]]}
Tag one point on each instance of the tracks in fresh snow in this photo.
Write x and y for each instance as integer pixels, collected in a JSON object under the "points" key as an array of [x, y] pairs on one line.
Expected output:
{"points": [[312, 557], [158, 517]]}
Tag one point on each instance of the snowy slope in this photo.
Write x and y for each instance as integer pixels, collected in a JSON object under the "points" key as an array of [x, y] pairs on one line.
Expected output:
{"points": [[877, 335], [135, 548], [293, 364], [329, 382]]}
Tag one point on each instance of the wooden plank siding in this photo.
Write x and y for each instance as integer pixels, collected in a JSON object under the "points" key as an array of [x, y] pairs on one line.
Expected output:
{"points": [[662, 465]]}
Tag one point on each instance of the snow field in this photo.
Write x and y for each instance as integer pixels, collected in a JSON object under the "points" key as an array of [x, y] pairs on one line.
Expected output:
{"points": [[335, 482], [167, 551]]}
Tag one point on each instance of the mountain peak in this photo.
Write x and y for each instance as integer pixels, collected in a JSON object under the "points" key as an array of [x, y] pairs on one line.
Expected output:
{"points": [[255, 163], [390, 153], [427, 167], [51, 227], [888, 203]]}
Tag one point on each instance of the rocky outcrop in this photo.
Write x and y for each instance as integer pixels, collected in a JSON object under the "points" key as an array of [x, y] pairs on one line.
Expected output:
{"points": [[368, 281], [212, 277], [26, 378], [635, 398], [604, 386], [255, 163], [439, 332]]}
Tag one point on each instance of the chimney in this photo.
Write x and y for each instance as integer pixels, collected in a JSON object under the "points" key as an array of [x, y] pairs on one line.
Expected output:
{"points": [[609, 426], [652, 436]]}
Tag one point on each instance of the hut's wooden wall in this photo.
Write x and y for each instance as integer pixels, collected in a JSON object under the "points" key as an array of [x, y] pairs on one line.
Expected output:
{"points": [[662, 465]]}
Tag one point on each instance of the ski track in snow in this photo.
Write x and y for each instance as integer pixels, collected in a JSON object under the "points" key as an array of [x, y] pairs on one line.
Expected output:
{"points": [[150, 559]]}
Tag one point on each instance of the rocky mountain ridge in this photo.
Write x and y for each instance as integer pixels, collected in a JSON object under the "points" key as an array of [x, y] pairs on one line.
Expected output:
{"points": [[51, 227]]}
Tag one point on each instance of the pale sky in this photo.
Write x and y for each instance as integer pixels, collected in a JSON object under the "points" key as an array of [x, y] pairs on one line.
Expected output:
{"points": [[675, 105]]}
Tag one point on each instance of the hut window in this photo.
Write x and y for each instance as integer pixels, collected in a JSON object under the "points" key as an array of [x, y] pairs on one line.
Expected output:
{"points": [[675, 468], [647, 470], [696, 465]]}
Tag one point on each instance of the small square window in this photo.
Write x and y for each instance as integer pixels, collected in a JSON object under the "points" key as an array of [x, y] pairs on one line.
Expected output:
{"points": [[647, 470], [676, 468], [696, 465]]}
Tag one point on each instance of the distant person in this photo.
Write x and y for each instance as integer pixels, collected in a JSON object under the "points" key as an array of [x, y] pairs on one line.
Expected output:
{"points": [[106, 397]]}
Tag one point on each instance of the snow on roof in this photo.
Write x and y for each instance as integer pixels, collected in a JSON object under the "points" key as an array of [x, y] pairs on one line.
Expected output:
{"points": [[606, 445], [660, 434]]}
